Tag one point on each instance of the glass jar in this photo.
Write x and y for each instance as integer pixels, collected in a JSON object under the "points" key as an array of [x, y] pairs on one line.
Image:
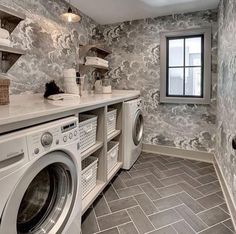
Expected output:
{"points": [[106, 85]]}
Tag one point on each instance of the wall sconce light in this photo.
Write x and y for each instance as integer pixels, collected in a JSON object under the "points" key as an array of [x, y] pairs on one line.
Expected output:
{"points": [[69, 16]]}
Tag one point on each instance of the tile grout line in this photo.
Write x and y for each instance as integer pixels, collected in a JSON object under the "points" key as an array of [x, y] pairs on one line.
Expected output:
{"points": [[187, 224], [152, 171], [128, 223], [107, 203], [132, 220], [150, 201], [170, 224], [147, 217], [173, 207], [96, 219], [222, 222], [174, 194], [227, 212], [207, 209], [209, 227]]}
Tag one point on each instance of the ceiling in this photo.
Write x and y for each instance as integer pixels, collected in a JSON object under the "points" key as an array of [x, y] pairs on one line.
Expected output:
{"points": [[114, 11]]}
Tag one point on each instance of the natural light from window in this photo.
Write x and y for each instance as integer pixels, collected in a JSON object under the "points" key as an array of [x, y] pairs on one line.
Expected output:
{"points": [[185, 66]]}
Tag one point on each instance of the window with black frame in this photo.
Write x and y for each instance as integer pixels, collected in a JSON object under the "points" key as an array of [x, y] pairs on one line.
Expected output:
{"points": [[186, 66], [185, 63]]}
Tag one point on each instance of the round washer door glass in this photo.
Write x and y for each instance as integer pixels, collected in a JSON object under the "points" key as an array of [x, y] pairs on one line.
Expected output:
{"points": [[44, 196], [138, 127], [44, 199]]}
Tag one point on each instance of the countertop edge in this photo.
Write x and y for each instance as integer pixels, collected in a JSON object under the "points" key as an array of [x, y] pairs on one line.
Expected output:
{"points": [[19, 121]]}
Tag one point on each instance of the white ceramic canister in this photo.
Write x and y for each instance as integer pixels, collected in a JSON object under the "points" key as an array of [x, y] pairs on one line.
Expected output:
{"points": [[70, 84]]}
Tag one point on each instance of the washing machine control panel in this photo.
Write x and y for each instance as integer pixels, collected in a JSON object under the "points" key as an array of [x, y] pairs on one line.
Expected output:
{"points": [[52, 137]]}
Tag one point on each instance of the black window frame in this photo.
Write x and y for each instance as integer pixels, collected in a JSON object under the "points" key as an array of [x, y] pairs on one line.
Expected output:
{"points": [[184, 66]]}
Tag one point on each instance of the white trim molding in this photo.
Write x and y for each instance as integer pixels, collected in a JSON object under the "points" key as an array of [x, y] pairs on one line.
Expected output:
{"points": [[226, 191], [179, 153]]}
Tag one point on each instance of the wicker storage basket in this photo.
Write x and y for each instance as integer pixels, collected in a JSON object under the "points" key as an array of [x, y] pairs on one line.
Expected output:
{"points": [[87, 131], [112, 155], [89, 174], [111, 120], [4, 91]]}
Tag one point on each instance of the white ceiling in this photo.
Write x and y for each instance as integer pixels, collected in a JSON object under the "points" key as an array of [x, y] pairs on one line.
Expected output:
{"points": [[114, 11]]}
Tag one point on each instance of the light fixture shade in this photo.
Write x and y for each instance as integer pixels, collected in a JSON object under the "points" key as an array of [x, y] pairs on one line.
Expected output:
{"points": [[70, 17]]}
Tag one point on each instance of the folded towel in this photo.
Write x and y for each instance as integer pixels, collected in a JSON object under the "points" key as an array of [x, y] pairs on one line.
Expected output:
{"points": [[94, 63], [5, 42], [4, 34], [96, 59]]}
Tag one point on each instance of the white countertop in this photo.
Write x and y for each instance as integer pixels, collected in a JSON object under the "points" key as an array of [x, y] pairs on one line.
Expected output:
{"points": [[34, 106]]}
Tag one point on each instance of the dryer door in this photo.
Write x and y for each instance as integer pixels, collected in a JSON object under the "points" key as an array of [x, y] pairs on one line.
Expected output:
{"points": [[137, 130], [44, 197]]}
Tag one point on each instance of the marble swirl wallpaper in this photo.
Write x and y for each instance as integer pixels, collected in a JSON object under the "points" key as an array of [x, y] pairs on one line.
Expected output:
{"points": [[226, 98], [51, 44], [135, 64]]}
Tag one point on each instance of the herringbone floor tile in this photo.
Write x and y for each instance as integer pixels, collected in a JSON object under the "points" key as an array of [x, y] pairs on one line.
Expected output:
{"points": [[161, 194]]}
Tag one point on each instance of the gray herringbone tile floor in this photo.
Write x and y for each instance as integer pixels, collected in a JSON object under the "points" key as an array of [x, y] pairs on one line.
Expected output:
{"points": [[161, 195]]}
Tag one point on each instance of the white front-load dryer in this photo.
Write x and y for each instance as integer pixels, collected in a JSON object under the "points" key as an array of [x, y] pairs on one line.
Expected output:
{"points": [[132, 132], [40, 179]]}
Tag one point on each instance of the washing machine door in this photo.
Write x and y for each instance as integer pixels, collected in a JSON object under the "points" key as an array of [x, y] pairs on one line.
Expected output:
{"points": [[137, 130], [43, 198]]}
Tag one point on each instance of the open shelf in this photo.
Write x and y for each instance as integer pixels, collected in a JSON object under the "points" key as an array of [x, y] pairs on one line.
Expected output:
{"points": [[98, 48], [114, 170], [100, 150], [95, 66], [89, 199], [10, 18], [11, 50], [113, 135], [91, 150], [11, 55]]}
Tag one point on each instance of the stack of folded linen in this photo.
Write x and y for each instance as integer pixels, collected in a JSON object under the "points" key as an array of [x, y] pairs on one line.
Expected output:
{"points": [[70, 84], [95, 61], [4, 37]]}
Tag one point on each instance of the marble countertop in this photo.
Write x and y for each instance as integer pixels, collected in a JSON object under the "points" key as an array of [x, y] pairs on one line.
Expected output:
{"points": [[34, 106]]}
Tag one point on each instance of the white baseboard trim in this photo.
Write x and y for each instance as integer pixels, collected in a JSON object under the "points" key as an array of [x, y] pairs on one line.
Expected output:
{"points": [[179, 153], [228, 197]]}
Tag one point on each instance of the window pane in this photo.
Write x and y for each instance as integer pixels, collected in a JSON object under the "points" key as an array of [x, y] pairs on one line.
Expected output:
{"points": [[193, 84], [176, 81], [193, 49], [176, 52]]}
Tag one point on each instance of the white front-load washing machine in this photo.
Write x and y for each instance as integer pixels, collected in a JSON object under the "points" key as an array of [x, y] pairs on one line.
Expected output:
{"points": [[40, 179], [132, 132]]}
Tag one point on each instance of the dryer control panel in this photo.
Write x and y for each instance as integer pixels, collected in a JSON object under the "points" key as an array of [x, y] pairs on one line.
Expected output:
{"points": [[52, 135]]}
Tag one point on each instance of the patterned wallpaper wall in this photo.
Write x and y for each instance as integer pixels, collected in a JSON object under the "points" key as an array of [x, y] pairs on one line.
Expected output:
{"points": [[226, 99], [135, 64], [51, 44]]}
